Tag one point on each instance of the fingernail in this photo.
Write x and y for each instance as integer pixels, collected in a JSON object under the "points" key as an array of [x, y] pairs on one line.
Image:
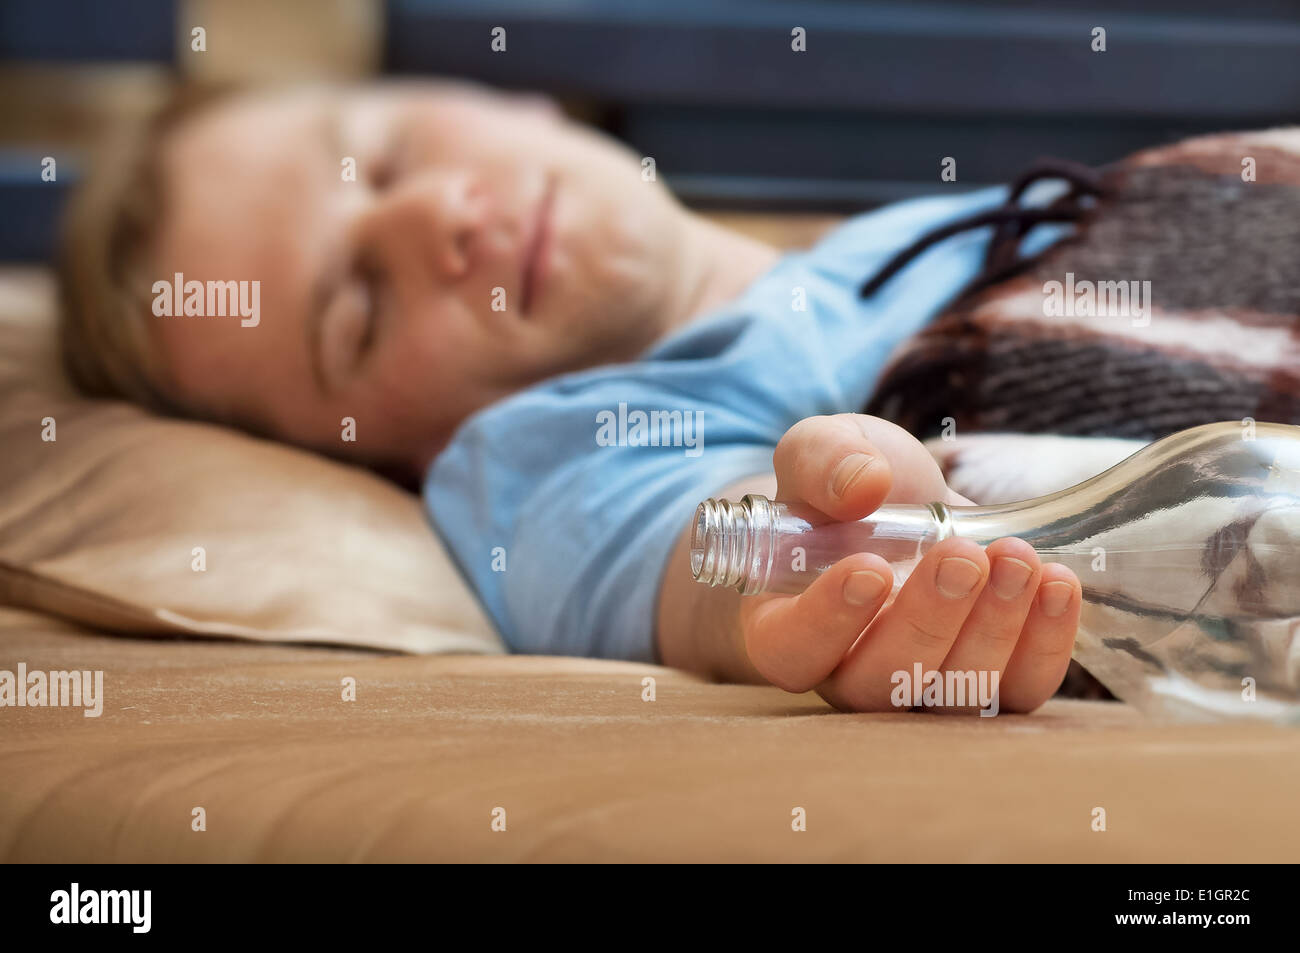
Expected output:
{"points": [[1009, 576], [957, 577], [863, 587], [1054, 598], [850, 468]]}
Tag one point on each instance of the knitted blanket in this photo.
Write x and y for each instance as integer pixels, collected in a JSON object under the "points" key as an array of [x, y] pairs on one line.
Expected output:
{"points": [[1176, 303]]}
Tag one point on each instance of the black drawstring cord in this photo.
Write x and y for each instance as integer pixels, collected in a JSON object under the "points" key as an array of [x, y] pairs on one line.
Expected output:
{"points": [[1013, 222]]}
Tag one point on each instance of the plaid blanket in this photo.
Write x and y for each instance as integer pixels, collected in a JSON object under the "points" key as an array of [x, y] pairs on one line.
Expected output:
{"points": [[1176, 303]]}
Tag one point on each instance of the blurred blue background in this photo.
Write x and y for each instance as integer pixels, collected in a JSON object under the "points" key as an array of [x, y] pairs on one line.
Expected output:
{"points": [[711, 88]]}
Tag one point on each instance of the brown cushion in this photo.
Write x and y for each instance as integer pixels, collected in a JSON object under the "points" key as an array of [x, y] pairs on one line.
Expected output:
{"points": [[100, 525]]}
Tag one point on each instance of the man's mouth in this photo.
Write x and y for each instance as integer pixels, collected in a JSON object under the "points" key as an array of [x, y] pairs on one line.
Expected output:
{"points": [[537, 251]]}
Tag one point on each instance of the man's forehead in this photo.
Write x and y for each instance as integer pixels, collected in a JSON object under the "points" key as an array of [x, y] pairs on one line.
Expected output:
{"points": [[221, 170], [241, 208]]}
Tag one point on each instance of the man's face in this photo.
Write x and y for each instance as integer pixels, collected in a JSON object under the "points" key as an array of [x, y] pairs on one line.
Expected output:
{"points": [[485, 244]]}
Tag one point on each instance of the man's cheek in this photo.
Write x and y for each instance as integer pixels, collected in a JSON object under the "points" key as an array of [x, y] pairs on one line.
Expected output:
{"points": [[414, 389]]}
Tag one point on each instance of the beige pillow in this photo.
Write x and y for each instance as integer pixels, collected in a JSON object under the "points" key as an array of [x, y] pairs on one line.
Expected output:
{"points": [[103, 524]]}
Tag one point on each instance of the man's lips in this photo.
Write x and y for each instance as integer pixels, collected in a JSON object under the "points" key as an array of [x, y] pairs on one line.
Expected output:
{"points": [[537, 249]]}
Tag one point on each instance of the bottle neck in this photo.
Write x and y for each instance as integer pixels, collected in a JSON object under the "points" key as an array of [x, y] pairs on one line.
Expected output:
{"points": [[758, 545]]}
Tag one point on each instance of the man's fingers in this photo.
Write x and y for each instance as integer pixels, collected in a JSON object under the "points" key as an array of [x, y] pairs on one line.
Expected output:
{"points": [[1042, 655], [828, 463], [919, 627], [796, 641], [846, 465], [992, 629]]}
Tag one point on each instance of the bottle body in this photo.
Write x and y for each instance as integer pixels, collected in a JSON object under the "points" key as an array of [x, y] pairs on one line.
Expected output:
{"points": [[1188, 554]]}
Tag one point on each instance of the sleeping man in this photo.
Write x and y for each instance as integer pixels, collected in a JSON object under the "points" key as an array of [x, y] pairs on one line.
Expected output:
{"points": [[467, 290]]}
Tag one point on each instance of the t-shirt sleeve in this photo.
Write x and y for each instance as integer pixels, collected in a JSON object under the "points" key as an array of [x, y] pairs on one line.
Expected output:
{"points": [[564, 538]]}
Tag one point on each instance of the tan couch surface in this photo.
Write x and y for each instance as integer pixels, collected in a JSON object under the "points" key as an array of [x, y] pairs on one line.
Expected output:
{"points": [[258, 736]]}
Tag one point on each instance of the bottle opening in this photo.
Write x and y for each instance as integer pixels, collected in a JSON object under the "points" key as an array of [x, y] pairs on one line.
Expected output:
{"points": [[699, 538], [720, 542]]}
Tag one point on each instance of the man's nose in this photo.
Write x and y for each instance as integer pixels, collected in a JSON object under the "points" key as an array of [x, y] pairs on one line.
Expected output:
{"points": [[436, 215]]}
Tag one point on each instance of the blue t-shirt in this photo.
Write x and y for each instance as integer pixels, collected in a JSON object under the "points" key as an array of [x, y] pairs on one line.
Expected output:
{"points": [[562, 503]]}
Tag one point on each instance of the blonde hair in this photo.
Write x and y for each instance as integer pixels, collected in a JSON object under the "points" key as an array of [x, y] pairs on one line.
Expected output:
{"points": [[108, 235]]}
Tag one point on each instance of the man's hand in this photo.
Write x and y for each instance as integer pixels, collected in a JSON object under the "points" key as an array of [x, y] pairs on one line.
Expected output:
{"points": [[962, 609]]}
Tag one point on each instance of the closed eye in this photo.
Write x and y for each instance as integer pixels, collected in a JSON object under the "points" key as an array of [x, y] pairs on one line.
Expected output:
{"points": [[374, 298]]}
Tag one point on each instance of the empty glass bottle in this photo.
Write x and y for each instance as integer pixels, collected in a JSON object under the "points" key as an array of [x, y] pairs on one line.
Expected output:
{"points": [[1188, 553]]}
